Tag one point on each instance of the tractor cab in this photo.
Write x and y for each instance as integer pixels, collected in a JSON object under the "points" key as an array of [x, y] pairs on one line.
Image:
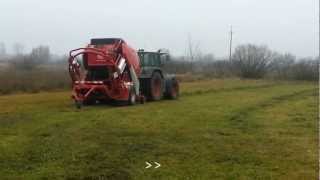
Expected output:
{"points": [[152, 61]]}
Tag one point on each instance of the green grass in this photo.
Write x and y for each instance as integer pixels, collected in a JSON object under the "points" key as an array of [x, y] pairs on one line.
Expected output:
{"points": [[218, 129]]}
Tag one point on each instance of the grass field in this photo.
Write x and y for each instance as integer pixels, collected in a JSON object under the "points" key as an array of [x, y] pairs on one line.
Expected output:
{"points": [[218, 129]]}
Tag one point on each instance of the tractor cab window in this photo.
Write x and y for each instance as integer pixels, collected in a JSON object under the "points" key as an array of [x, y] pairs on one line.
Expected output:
{"points": [[149, 59], [157, 60], [164, 58], [154, 59]]}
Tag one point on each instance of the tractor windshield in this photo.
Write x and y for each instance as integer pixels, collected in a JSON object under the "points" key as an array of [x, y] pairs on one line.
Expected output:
{"points": [[149, 59]]}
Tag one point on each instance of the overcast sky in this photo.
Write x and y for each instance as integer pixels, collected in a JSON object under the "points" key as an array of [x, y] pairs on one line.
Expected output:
{"points": [[283, 25]]}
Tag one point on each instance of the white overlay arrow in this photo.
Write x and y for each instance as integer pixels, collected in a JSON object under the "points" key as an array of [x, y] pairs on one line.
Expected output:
{"points": [[148, 165], [158, 165]]}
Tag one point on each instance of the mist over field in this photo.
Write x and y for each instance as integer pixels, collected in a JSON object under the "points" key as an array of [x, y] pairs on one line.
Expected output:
{"points": [[287, 26]]}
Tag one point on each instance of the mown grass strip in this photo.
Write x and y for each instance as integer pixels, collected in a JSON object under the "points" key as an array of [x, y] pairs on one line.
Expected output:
{"points": [[239, 120], [223, 90]]}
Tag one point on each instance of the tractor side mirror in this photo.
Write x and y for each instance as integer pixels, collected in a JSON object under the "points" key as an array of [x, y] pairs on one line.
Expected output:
{"points": [[164, 59]]}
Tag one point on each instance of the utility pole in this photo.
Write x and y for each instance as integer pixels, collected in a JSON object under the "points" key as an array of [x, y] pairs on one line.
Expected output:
{"points": [[231, 34], [191, 53]]}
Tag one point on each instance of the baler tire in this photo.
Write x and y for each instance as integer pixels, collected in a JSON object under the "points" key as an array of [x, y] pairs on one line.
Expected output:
{"points": [[78, 104], [156, 85]]}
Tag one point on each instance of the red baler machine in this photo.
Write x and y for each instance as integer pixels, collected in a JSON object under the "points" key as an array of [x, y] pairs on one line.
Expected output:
{"points": [[108, 70]]}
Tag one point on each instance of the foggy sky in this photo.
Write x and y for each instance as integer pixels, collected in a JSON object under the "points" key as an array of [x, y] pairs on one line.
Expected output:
{"points": [[283, 25]]}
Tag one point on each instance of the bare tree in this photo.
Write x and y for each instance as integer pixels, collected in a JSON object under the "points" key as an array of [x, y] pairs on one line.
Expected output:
{"points": [[306, 69], [40, 54], [3, 51], [281, 65], [18, 49], [193, 51], [251, 61]]}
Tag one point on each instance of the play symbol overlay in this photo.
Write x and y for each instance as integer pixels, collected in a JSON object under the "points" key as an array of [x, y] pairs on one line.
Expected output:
{"points": [[149, 165]]}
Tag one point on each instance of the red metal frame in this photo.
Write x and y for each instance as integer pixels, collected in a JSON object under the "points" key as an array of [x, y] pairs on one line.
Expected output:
{"points": [[111, 88]]}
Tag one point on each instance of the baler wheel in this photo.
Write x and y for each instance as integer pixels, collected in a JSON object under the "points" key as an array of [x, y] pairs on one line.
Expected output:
{"points": [[156, 85], [78, 104]]}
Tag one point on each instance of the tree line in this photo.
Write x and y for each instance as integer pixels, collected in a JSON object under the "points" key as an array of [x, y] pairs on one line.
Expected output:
{"points": [[37, 70], [40, 70], [249, 61]]}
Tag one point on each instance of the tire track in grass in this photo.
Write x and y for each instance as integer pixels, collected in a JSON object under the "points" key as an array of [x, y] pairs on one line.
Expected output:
{"points": [[223, 90], [240, 118], [6, 118]]}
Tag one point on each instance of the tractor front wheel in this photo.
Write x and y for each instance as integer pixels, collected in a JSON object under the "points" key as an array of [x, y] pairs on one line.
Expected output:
{"points": [[132, 97]]}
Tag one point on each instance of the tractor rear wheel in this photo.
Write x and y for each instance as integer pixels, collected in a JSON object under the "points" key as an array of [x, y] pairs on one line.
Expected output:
{"points": [[156, 86], [172, 89]]}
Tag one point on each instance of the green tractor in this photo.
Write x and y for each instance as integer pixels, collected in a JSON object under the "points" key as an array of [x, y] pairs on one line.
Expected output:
{"points": [[155, 83]]}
